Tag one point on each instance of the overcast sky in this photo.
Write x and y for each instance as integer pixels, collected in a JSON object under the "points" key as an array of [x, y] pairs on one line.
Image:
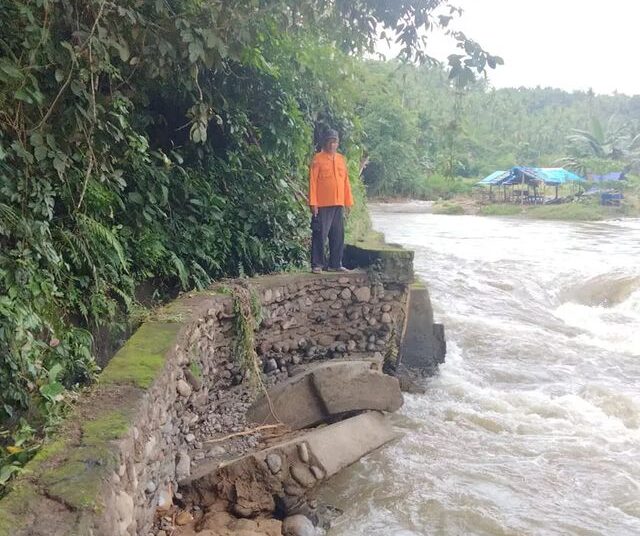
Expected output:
{"points": [[570, 44]]}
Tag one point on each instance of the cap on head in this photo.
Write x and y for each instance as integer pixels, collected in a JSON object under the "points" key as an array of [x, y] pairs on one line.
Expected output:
{"points": [[330, 134]]}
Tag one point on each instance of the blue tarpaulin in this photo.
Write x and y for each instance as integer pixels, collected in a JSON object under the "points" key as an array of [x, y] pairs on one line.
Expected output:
{"points": [[560, 176], [607, 177], [495, 178], [519, 174]]}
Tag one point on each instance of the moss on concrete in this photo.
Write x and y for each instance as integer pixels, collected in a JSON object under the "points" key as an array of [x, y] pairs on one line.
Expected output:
{"points": [[48, 451], [143, 356], [77, 482], [391, 261], [14, 506], [374, 241], [74, 473], [110, 426], [174, 312]]}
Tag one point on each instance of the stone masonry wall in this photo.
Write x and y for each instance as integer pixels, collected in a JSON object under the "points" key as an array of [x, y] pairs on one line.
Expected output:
{"points": [[171, 394]]}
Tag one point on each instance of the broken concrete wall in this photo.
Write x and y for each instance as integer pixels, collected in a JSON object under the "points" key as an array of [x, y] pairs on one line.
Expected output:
{"points": [[423, 342], [168, 397], [175, 386]]}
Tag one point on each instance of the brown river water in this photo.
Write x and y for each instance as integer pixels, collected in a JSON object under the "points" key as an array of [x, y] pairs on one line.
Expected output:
{"points": [[532, 427]]}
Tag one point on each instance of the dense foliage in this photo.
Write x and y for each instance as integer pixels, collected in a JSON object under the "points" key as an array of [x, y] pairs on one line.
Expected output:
{"points": [[423, 129], [161, 141]]}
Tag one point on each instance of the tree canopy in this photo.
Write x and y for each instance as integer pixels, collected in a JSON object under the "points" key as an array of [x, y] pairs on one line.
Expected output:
{"points": [[422, 129]]}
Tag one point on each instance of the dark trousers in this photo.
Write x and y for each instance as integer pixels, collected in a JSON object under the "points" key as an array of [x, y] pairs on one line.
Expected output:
{"points": [[329, 223]]}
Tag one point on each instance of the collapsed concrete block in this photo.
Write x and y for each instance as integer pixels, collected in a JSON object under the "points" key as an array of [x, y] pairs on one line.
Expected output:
{"points": [[251, 487], [326, 391], [423, 344]]}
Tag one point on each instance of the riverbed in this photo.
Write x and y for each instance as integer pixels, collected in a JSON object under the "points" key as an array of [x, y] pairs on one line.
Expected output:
{"points": [[532, 426]]}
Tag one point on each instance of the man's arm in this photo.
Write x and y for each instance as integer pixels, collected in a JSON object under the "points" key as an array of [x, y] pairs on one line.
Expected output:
{"points": [[313, 187], [348, 198]]}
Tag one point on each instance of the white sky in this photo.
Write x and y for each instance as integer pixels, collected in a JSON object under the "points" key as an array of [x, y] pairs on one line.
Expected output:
{"points": [[569, 44]]}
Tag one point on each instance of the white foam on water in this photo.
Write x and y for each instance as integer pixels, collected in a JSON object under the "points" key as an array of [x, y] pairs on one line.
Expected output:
{"points": [[532, 426]]}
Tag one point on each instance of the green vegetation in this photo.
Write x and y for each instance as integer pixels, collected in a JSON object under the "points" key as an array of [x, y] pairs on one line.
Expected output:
{"points": [[500, 210], [448, 208], [163, 143], [139, 361], [247, 311], [576, 211], [573, 212], [432, 136]]}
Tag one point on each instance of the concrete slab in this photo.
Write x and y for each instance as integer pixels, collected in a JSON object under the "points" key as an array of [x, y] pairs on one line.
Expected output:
{"points": [[257, 483], [342, 444], [326, 391], [423, 344]]}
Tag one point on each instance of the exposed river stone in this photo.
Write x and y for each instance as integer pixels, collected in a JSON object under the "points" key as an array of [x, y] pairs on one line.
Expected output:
{"points": [[183, 466], [193, 380], [293, 489], [183, 388], [363, 294], [274, 461], [303, 475], [298, 525], [303, 452], [317, 472]]}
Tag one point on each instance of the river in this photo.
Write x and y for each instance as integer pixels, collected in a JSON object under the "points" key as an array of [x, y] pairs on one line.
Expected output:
{"points": [[532, 426]]}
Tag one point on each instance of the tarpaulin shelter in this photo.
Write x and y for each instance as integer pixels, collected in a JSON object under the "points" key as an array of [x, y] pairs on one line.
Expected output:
{"points": [[520, 174], [530, 176], [495, 178]]}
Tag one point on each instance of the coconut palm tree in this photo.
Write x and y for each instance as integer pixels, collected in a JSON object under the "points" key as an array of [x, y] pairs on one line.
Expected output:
{"points": [[619, 142]]}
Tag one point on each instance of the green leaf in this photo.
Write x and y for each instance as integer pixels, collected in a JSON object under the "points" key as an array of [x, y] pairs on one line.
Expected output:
{"points": [[23, 95], [123, 50], [195, 51], [59, 165], [7, 471], [52, 391], [54, 372], [40, 152], [136, 198], [11, 70]]}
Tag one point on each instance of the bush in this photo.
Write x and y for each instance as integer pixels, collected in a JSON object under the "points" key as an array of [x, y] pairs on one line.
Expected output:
{"points": [[500, 210], [437, 187], [570, 211], [137, 145], [448, 208]]}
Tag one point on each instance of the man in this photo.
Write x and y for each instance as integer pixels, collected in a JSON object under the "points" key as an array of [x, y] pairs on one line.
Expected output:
{"points": [[330, 201]]}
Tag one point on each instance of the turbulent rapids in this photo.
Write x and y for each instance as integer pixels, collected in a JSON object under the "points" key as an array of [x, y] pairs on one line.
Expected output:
{"points": [[532, 426]]}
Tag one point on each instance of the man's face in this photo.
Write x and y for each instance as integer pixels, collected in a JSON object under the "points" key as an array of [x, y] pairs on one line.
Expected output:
{"points": [[331, 145]]}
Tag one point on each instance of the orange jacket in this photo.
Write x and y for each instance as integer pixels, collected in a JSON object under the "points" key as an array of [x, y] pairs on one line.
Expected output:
{"points": [[329, 181]]}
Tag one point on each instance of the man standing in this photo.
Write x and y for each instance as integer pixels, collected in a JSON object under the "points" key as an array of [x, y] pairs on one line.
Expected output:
{"points": [[330, 200]]}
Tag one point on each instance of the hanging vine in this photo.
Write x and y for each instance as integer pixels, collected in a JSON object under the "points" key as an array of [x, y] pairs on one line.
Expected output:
{"points": [[247, 312]]}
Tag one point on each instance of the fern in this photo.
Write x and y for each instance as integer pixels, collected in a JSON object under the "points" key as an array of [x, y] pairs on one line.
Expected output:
{"points": [[98, 234], [181, 271], [9, 218]]}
